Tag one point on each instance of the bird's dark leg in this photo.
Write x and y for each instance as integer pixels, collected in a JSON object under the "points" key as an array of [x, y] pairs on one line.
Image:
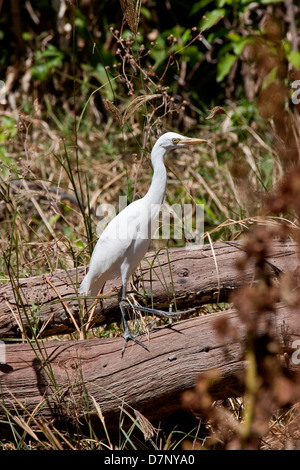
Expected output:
{"points": [[159, 313], [124, 305], [162, 313], [128, 335]]}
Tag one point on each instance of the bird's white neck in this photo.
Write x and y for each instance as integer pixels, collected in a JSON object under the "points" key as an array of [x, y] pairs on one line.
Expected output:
{"points": [[157, 188]]}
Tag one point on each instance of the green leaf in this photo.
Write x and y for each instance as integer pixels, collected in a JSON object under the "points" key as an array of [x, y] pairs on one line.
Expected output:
{"points": [[41, 71], [50, 51], [267, 2], [159, 52], [211, 18], [46, 61], [225, 65], [238, 42], [103, 77], [294, 59], [54, 219], [147, 13], [186, 37], [239, 46], [207, 209]]}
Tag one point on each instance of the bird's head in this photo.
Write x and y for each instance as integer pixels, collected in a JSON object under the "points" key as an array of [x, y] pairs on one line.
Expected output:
{"points": [[172, 140]]}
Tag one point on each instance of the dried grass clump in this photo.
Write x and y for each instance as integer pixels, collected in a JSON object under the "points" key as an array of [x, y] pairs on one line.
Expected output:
{"points": [[131, 11]]}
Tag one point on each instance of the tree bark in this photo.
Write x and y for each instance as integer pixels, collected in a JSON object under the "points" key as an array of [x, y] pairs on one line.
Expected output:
{"points": [[57, 379], [179, 278]]}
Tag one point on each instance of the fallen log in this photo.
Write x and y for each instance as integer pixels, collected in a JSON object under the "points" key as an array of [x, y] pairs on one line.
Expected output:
{"points": [[62, 380], [182, 277]]}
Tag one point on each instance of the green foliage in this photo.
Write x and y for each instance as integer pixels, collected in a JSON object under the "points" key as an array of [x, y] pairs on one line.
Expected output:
{"points": [[224, 66], [109, 86], [211, 18], [8, 130], [294, 59], [46, 62]]}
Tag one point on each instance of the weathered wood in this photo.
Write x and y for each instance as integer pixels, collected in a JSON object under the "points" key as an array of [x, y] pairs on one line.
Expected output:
{"points": [[59, 378], [191, 276]]}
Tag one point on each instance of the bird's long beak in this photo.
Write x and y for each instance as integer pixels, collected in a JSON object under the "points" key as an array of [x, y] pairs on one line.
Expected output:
{"points": [[191, 141]]}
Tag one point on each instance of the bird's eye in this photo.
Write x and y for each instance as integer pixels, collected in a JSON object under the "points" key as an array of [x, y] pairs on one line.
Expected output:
{"points": [[175, 141]]}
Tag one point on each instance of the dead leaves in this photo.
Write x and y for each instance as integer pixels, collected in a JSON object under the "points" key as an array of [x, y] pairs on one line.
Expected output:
{"points": [[216, 111], [120, 118], [131, 11]]}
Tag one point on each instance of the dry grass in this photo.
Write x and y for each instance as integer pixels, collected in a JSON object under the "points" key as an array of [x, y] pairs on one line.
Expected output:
{"points": [[42, 220], [42, 202], [57, 171]]}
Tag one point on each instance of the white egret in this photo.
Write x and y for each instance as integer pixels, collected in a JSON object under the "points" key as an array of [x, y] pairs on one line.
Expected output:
{"points": [[126, 238]]}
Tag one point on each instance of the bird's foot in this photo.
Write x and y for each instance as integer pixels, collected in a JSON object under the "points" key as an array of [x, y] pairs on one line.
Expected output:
{"points": [[162, 313], [131, 336], [124, 304]]}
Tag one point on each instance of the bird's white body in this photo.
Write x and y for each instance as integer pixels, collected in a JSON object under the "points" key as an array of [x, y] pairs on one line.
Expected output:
{"points": [[120, 247], [126, 239]]}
